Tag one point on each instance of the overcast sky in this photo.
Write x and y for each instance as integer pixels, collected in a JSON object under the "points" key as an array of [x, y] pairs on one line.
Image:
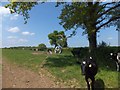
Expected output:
{"points": [[43, 20]]}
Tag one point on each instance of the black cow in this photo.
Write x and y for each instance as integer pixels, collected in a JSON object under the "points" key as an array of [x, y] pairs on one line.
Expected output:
{"points": [[116, 57], [89, 68], [76, 52]]}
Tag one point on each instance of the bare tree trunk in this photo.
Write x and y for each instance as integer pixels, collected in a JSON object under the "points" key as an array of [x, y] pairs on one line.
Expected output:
{"points": [[92, 41]]}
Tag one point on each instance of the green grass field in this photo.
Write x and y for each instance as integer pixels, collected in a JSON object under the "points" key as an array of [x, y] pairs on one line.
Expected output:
{"points": [[64, 67]]}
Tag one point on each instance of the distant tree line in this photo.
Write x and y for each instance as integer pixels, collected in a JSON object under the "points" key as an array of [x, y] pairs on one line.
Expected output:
{"points": [[40, 47]]}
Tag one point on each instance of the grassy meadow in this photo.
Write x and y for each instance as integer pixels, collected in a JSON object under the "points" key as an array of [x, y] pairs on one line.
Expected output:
{"points": [[64, 67]]}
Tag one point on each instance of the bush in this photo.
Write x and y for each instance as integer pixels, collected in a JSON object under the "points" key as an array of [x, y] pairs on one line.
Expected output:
{"points": [[42, 47], [81, 51], [103, 44]]}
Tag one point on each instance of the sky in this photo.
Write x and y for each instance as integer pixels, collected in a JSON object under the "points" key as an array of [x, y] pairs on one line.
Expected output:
{"points": [[43, 21]]}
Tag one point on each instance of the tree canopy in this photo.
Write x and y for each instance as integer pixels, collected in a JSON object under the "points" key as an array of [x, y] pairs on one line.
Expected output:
{"points": [[42, 47], [21, 8], [58, 38], [85, 14]]}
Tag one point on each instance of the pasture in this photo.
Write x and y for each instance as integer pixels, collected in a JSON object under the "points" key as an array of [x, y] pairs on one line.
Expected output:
{"points": [[64, 67]]}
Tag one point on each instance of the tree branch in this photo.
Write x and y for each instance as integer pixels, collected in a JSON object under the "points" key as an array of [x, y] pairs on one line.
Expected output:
{"points": [[108, 3], [104, 5], [100, 21], [112, 19], [109, 10]]}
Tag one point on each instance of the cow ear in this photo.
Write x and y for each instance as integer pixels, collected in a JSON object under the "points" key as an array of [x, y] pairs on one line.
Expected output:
{"points": [[90, 65]]}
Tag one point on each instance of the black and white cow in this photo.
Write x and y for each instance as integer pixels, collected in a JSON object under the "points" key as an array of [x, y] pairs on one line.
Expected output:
{"points": [[58, 49], [116, 57], [89, 68]]}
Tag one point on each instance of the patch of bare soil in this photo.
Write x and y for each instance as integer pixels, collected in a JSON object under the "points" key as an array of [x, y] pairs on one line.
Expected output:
{"points": [[14, 76], [39, 53]]}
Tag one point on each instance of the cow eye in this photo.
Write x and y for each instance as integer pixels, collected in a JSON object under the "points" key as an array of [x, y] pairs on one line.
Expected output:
{"points": [[90, 65], [84, 62]]}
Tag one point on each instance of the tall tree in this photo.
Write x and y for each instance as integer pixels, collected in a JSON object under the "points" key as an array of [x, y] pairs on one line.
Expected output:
{"points": [[58, 38], [90, 16]]}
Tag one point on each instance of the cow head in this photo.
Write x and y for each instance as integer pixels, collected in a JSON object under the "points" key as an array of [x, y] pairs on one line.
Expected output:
{"points": [[113, 56], [85, 65]]}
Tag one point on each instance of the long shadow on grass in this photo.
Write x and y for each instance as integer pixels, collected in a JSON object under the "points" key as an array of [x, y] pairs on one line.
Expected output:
{"points": [[99, 84], [102, 55], [60, 61], [106, 64], [69, 60]]}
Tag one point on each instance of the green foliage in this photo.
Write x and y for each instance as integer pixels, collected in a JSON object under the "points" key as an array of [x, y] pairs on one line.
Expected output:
{"points": [[90, 16], [81, 52], [42, 47], [58, 38], [103, 44], [21, 8]]}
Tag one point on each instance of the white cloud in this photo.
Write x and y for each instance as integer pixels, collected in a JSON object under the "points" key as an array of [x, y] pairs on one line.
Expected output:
{"points": [[12, 37], [32, 34], [14, 30], [15, 17], [22, 40], [28, 33], [4, 11]]}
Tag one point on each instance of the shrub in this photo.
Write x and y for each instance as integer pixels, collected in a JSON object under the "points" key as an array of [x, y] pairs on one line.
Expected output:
{"points": [[42, 47], [102, 44]]}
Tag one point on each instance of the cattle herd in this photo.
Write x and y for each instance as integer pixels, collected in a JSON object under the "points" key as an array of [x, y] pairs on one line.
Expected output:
{"points": [[89, 67]]}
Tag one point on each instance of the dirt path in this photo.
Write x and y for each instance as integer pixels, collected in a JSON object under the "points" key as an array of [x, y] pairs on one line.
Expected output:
{"points": [[14, 76]]}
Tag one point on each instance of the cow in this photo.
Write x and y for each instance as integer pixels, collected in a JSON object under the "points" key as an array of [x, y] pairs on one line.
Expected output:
{"points": [[116, 58], [89, 68], [58, 49], [76, 52], [49, 51]]}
